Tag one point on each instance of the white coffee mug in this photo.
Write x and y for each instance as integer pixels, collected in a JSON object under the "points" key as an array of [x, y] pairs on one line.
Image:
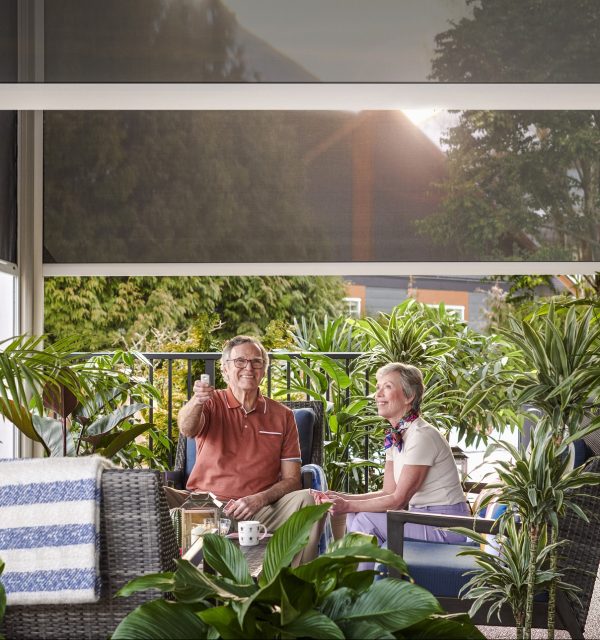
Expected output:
{"points": [[249, 532]]}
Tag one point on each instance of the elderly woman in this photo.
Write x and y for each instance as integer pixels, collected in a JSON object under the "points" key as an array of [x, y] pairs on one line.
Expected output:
{"points": [[420, 473]]}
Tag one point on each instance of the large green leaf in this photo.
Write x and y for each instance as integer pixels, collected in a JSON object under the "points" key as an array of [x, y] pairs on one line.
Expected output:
{"points": [[162, 620], [446, 627], [161, 581], [51, 433], [312, 624], [333, 368], [365, 630], [333, 562], [20, 416], [393, 604], [107, 423], [224, 620], [112, 443], [193, 585], [289, 539], [226, 558]]}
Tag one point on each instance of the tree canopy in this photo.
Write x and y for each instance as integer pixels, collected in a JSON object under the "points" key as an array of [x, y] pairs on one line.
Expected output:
{"points": [[110, 312], [522, 185], [521, 41]]}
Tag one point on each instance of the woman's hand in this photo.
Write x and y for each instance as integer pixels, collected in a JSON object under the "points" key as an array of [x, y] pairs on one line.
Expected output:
{"points": [[335, 494], [341, 505]]}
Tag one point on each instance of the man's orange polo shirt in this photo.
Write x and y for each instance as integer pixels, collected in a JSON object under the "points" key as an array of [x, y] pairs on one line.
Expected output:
{"points": [[239, 453]]}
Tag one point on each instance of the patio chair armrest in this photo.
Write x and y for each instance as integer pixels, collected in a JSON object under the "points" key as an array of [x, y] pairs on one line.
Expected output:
{"points": [[397, 519], [469, 486]]}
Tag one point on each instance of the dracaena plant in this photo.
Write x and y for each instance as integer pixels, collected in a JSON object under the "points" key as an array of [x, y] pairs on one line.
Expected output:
{"points": [[325, 598], [502, 576], [539, 486], [560, 363], [559, 376]]}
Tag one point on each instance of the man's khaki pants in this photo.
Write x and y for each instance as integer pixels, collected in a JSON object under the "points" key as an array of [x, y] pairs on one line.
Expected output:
{"points": [[273, 516]]}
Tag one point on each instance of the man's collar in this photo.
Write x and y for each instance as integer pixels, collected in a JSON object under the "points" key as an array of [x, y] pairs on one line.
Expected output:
{"points": [[234, 403]]}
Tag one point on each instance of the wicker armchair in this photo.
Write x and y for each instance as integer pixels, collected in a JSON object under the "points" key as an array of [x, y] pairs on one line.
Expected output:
{"points": [[437, 568], [311, 444], [136, 538]]}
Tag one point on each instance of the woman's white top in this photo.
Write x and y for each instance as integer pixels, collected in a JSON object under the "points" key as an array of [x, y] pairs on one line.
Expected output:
{"points": [[425, 445]]}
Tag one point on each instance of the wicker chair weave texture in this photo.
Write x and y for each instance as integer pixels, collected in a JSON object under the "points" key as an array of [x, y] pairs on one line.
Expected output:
{"points": [[136, 538], [580, 557]]}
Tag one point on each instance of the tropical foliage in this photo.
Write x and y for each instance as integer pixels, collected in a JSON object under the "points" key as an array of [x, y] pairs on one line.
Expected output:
{"points": [[556, 380], [452, 357], [326, 598], [350, 424], [503, 578], [95, 402]]}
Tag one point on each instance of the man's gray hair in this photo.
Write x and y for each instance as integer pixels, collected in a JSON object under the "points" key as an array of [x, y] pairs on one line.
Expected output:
{"points": [[411, 379], [234, 342]]}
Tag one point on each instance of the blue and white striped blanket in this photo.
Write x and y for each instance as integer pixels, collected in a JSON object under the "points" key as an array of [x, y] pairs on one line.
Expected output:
{"points": [[49, 529], [319, 482]]}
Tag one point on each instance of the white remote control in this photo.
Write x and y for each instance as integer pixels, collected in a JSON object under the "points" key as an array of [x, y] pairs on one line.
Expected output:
{"points": [[205, 378]]}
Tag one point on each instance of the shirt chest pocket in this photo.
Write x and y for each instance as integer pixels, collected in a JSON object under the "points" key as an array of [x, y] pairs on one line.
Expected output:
{"points": [[270, 441]]}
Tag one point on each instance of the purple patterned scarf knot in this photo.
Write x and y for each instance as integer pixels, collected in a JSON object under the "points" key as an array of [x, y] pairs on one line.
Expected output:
{"points": [[395, 435]]}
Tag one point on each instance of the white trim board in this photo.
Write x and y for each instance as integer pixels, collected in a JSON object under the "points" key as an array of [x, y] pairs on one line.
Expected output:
{"points": [[301, 96], [322, 269]]}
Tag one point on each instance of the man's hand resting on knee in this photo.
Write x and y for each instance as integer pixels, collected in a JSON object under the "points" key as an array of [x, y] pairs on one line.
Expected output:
{"points": [[245, 508]]}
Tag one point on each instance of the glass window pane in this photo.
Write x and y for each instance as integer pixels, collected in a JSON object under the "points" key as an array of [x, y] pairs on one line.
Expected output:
{"points": [[8, 189], [8, 41], [321, 40], [320, 186]]}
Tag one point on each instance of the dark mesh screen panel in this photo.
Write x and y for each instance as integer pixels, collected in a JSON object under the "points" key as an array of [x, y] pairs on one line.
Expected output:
{"points": [[332, 186], [322, 40], [8, 41], [8, 188]]}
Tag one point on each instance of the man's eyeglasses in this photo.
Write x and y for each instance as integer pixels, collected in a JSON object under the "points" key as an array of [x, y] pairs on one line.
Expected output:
{"points": [[240, 363]]}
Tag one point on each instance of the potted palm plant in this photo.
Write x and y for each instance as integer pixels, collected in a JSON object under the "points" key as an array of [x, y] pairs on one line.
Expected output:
{"points": [[93, 401]]}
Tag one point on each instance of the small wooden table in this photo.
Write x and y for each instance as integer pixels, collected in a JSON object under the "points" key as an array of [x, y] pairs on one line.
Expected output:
{"points": [[254, 556]]}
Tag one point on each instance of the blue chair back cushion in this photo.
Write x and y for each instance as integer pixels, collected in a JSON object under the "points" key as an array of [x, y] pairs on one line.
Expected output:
{"points": [[582, 452], [436, 567], [305, 420]]}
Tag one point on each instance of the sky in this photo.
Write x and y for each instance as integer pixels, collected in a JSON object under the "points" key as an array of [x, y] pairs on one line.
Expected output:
{"points": [[352, 40]]}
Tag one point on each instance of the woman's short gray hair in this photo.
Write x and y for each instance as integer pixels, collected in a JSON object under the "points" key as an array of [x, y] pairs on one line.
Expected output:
{"points": [[235, 342], [411, 379]]}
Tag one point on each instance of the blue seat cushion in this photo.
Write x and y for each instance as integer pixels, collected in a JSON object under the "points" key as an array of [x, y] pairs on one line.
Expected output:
{"points": [[305, 421], [582, 452], [437, 568]]}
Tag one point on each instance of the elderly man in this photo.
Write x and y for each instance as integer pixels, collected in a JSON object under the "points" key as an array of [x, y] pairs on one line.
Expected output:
{"points": [[247, 447]]}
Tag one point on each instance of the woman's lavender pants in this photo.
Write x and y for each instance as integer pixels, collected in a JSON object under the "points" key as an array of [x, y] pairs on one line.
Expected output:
{"points": [[375, 524]]}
